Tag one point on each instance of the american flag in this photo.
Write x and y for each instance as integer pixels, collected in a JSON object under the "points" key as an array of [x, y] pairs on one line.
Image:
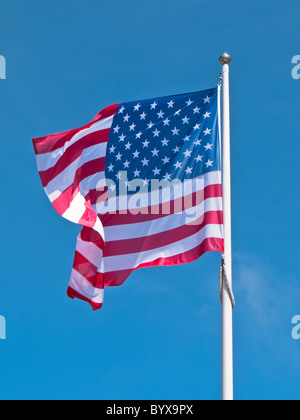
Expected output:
{"points": [[144, 181]]}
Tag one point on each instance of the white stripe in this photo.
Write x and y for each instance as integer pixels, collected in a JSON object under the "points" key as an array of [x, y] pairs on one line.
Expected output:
{"points": [[76, 209], [98, 227], [90, 251], [48, 160], [130, 261], [66, 178], [86, 185], [163, 224], [81, 285]]}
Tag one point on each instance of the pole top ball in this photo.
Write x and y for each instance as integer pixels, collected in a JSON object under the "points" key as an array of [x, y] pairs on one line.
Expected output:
{"points": [[225, 59]]}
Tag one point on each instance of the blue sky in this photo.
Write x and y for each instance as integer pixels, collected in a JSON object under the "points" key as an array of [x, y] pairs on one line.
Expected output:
{"points": [[159, 335]]}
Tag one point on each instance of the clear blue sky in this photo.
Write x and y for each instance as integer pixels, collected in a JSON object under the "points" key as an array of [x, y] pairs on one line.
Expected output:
{"points": [[159, 335]]}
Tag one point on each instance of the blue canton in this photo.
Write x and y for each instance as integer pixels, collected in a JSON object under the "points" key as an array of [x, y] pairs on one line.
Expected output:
{"points": [[175, 137]]}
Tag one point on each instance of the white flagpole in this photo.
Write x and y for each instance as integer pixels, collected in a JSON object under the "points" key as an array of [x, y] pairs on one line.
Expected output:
{"points": [[227, 338]]}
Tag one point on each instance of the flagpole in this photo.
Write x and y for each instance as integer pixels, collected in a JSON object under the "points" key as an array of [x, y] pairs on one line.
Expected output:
{"points": [[227, 334]]}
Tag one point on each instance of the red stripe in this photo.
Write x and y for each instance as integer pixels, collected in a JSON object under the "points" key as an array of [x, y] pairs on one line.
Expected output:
{"points": [[72, 153], [98, 196], [62, 203], [190, 201], [87, 169], [88, 270], [52, 142], [73, 294], [90, 235], [88, 218], [136, 245], [116, 278], [106, 112]]}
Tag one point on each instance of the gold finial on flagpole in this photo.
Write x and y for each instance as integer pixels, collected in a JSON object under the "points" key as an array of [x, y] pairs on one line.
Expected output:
{"points": [[225, 58]]}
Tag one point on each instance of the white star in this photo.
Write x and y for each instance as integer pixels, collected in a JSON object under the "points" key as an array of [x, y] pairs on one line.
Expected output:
{"points": [[187, 153], [165, 142], [189, 102], [197, 142], [137, 107], [176, 150], [178, 112], [167, 177], [136, 173], [143, 116], [126, 118], [127, 184], [156, 171], [154, 105], [132, 127], [116, 129], [199, 158], [207, 115], [111, 167], [136, 154], [155, 152], [171, 104], [145, 162], [112, 149], [186, 120], [146, 143], [150, 125], [122, 137], [207, 131], [121, 110], [208, 147], [166, 160], [139, 135], [197, 127], [197, 110], [178, 165], [112, 187], [188, 170], [160, 114], [156, 133], [186, 138], [126, 164], [166, 122], [119, 176], [207, 100], [209, 163], [146, 182], [127, 146], [175, 132], [119, 156]]}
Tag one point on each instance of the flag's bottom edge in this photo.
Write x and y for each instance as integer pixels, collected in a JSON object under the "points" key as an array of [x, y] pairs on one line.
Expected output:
{"points": [[117, 278], [73, 294], [208, 245]]}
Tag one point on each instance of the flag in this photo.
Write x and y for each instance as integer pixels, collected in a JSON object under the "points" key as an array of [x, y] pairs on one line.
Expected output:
{"points": [[144, 180]]}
